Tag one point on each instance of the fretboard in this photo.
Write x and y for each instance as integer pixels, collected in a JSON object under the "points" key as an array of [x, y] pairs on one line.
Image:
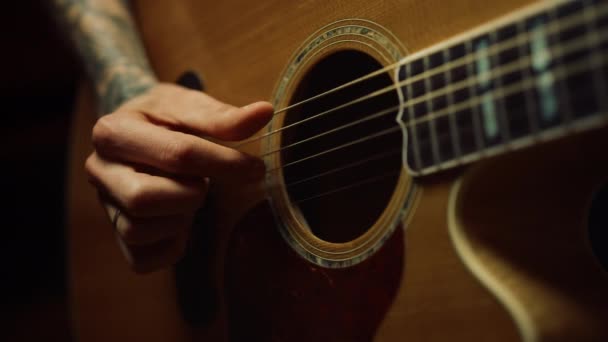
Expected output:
{"points": [[535, 77]]}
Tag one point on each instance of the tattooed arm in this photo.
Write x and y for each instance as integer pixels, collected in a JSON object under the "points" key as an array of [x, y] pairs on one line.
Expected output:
{"points": [[106, 38], [150, 165]]}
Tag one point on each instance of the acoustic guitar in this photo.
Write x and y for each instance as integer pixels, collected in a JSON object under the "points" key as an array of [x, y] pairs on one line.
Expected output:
{"points": [[430, 170]]}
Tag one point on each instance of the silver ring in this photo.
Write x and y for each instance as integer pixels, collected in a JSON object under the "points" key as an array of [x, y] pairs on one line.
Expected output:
{"points": [[115, 218]]}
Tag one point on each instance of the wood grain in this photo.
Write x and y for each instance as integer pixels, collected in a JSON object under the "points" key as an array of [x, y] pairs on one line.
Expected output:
{"points": [[419, 289], [108, 301], [539, 250]]}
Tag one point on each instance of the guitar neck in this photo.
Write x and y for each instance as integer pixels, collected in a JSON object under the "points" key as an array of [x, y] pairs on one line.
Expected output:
{"points": [[531, 79]]}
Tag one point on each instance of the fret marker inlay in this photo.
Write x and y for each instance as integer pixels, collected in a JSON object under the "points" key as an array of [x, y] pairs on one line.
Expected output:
{"points": [[541, 60], [492, 92], [490, 120]]}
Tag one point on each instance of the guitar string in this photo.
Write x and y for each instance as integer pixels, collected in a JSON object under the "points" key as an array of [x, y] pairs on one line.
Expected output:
{"points": [[462, 84], [372, 116], [356, 184], [350, 186], [362, 182], [466, 83], [384, 132], [345, 167], [562, 73], [550, 27], [371, 179], [361, 99], [513, 88], [492, 51]]}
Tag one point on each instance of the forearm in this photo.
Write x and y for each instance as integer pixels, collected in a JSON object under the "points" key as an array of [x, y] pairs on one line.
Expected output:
{"points": [[107, 40]]}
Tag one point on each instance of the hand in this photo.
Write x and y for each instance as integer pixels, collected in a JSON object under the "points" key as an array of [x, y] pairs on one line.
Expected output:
{"points": [[153, 170]]}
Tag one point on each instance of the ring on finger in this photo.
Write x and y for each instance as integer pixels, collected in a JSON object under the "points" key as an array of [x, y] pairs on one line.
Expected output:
{"points": [[115, 217]]}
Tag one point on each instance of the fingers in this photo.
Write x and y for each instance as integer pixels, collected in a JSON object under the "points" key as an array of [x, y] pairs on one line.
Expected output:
{"points": [[145, 231], [151, 257], [145, 195], [152, 243], [133, 140], [200, 113], [151, 162]]}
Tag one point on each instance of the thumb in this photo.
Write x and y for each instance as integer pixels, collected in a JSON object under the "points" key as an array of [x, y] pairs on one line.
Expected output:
{"points": [[240, 123], [196, 112]]}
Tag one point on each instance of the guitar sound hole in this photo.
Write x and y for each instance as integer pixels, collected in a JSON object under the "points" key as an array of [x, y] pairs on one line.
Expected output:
{"points": [[598, 221], [342, 181]]}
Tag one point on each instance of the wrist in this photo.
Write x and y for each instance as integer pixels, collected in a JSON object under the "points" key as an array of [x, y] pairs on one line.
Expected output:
{"points": [[120, 83]]}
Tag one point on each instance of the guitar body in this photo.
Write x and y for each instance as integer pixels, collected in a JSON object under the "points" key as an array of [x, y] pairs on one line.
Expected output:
{"points": [[496, 251]]}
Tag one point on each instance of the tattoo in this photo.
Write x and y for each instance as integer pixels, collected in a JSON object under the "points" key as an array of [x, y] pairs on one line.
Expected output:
{"points": [[107, 39]]}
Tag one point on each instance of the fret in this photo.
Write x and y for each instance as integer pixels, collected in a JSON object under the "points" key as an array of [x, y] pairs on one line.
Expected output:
{"points": [[601, 24], [499, 101], [455, 139], [514, 110], [571, 34], [516, 84], [413, 154], [424, 137], [419, 110], [438, 80], [479, 142], [564, 107], [463, 119], [429, 109], [601, 21], [592, 38], [582, 87], [443, 132], [583, 101], [423, 150], [567, 9], [418, 87], [530, 104], [485, 90], [541, 64]]}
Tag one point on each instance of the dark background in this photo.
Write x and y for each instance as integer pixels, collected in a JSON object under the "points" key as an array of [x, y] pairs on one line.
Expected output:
{"points": [[40, 74]]}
